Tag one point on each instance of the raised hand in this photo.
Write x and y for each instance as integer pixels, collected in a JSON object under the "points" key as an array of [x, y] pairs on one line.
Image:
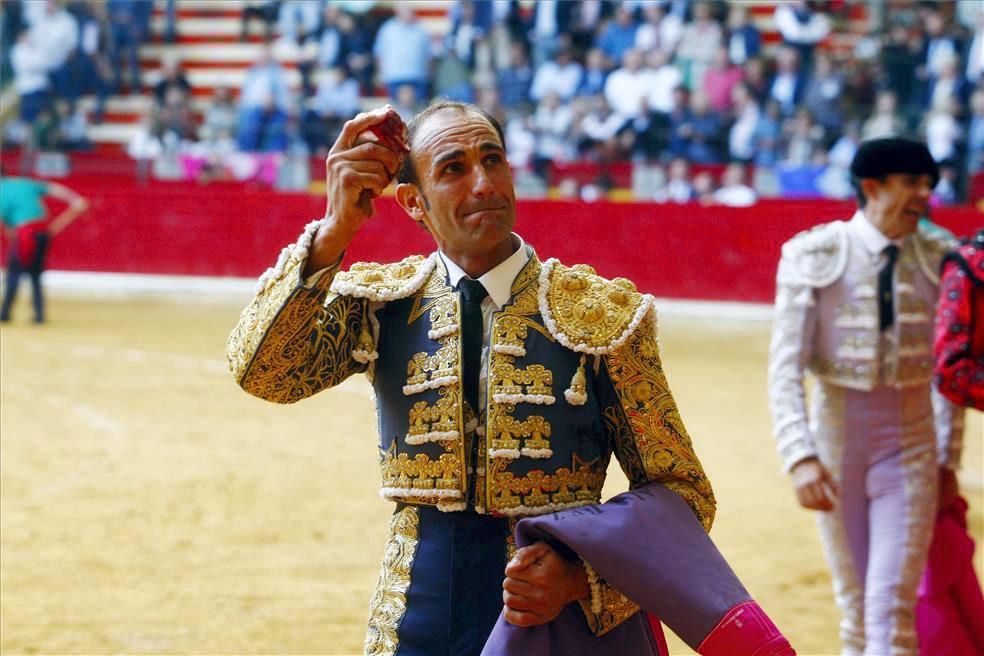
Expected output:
{"points": [[362, 163]]}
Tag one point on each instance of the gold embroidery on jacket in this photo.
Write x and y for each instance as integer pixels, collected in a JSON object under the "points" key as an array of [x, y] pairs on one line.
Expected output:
{"points": [[285, 351], [579, 484], [434, 291], [511, 548], [422, 474], [508, 380], [615, 609], [524, 291], [588, 309], [437, 422], [858, 373], [389, 601], [857, 314], [433, 371], [658, 432], [507, 432]]}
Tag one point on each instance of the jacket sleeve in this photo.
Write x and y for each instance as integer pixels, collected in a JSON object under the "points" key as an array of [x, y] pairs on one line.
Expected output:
{"points": [[789, 352], [652, 446], [296, 337]]}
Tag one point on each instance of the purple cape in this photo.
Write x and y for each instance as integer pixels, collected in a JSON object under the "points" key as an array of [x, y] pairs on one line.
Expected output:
{"points": [[647, 544]]}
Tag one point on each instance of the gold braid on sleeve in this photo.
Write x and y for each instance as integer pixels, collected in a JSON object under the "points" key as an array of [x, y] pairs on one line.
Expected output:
{"points": [[294, 341], [606, 608], [651, 442]]}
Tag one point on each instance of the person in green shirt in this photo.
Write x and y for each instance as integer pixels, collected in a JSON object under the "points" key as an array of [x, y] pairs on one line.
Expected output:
{"points": [[24, 220]]}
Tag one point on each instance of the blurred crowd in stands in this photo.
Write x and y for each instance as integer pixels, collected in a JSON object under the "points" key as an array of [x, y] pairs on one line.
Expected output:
{"points": [[690, 91]]}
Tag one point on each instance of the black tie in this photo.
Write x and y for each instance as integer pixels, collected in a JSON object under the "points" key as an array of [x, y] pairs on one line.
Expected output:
{"points": [[886, 315], [472, 294]]}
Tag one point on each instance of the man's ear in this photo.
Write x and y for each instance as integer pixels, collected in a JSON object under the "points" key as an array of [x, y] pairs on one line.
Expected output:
{"points": [[870, 187], [411, 200]]}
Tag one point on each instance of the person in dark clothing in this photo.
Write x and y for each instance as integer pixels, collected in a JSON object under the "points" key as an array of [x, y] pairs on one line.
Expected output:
{"points": [[23, 217]]}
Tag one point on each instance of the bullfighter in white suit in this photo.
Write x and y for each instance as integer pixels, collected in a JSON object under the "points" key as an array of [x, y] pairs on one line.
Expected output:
{"points": [[854, 307]]}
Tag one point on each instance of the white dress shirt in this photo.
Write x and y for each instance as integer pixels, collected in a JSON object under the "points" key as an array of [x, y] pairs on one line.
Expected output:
{"points": [[498, 283]]}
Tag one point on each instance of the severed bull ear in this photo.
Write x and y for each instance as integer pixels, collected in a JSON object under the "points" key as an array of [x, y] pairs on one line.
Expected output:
{"points": [[391, 133]]}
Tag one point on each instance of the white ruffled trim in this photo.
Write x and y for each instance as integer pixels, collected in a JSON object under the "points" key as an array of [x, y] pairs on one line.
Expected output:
{"points": [[363, 356], [853, 353], [443, 381], [416, 493], [536, 399], [433, 436], [545, 509], [536, 453], [905, 288], [594, 583], [647, 305], [507, 454], [857, 322], [451, 506], [442, 332], [864, 291], [291, 253], [509, 349], [575, 398], [348, 288]]}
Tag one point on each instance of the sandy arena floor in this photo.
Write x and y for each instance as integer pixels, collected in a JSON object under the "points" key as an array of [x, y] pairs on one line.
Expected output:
{"points": [[150, 506]]}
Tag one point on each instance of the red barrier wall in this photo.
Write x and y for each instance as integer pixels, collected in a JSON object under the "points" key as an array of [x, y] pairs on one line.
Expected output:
{"points": [[692, 252]]}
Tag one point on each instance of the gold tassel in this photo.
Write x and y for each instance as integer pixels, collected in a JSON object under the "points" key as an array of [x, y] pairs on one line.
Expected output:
{"points": [[365, 352], [577, 393]]}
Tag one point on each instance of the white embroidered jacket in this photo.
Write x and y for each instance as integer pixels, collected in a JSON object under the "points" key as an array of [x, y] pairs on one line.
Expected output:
{"points": [[826, 322]]}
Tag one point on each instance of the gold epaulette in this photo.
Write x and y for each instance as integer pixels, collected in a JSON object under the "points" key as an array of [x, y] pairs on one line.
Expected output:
{"points": [[588, 313], [384, 282], [931, 245], [815, 257]]}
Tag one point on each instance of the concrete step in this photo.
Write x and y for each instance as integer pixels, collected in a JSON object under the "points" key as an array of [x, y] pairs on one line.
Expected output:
{"points": [[437, 26], [217, 77], [115, 133], [217, 52]]}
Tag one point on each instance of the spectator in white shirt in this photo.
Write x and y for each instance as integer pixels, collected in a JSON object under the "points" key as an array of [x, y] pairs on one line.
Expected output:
{"points": [[552, 122], [664, 77], [678, 187], [56, 36], [659, 30], [943, 131], [700, 40], [562, 75], [741, 136], [627, 88], [298, 19], [336, 101], [801, 27], [885, 120], [30, 76], [975, 51], [733, 191]]}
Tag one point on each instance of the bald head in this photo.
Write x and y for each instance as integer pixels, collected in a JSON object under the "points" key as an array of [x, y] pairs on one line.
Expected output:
{"points": [[436, 116]]}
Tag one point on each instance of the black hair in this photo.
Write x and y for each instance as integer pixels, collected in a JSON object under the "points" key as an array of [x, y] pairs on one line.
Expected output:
{"points": [[407, 172], [856, 183]]}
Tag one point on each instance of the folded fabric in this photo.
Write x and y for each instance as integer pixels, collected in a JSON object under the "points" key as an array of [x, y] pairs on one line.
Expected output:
{"points": [[650, 547], [950, 606]]}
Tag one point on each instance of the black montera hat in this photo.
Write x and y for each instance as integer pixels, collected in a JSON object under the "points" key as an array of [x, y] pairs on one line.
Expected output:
{"points": [[880, 157]]}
